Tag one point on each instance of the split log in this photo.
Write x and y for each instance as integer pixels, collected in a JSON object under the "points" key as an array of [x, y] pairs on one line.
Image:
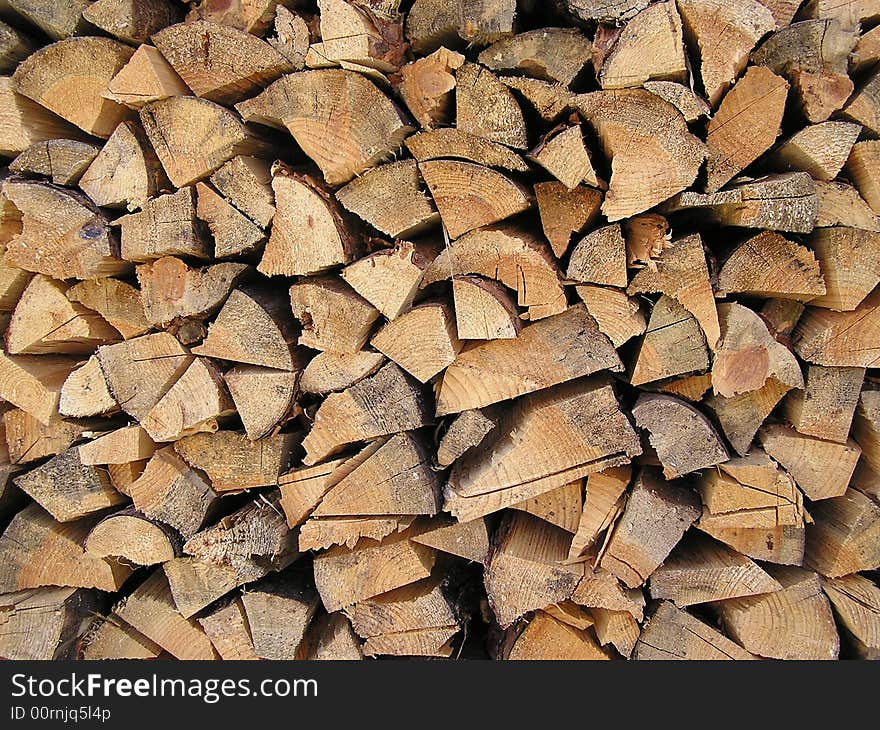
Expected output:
{"points": [[277, 616], [638, 545], [151, 611], [552, 54], [346, 576], [44, 624], [468, 540], [309, 231], [228, 631], [781, 316], [117, 302], [169, 492], [748, 355], [334, 317], [62, 562], [33, 383], [147, 77], [618, 316], [511, 256], [328, 372], [63, 161], [840, 339], [247, 183], [673, 344], [745, 126], [843, 536], [389, 279], [867, 51], [263, 397], [339, 118], [547, 638], [332, 638], [218, 62], [546, 353], [700, 570], [520, 462], [691, 106], [682, 273], [303, 488], [413, 212], [725, 34], [820, 149], [452, 143], [785, 202], [464, 433], [385, 403], [647, 237], [321, 533], [234, 234], [650, 46], [354, 35], [602, 504], [566, 212], [426, 87], [166, 226], [142, 370], [599, 258], [431, 23], [856, 602], [486, 108], [194, 137], [741, 416], [864, 106], [28, 440], [62, 235], [470, 196], [68, 78], [253, 328], [617, 628], [128, 23], [770, 265], [171, 290], [45, 321], [850, 261], [233, 462], [549, 100], [862, 170], [194, 404], [563, 154], [756, 621], [111, 638], [130, 443], [196, 583], [866, 429], [15, 46], [524, 572], [685, 440], [560, 507], [69, 489], [415, 620], [825, 407], [674, 634], [129, 536], [483, 310], [423, 341], [653, 156]]}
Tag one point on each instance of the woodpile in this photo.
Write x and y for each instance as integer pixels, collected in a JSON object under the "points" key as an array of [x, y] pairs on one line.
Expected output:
{"points": [[460, 328]]}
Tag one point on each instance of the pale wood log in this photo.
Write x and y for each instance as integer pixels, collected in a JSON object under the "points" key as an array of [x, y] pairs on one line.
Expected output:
{"points": [[820, 149], [486, 108], [602, 504], [247, 183], [566, 212], [843, 536], [329, 372], [840, 339], [116, 301], [111, 638], [147, 77], [332, 638], [264, 398], [423, 341], [28, 440], [166, 226], [856, 603], [278, 612], [599, 258], [33, 383], [130, 22], [427, 85], [547, 638], [24, 122], [431, 23], [560, 507], [850, 261], [484, 310], [128, 535], [465, 432], [63, 161], [825, 407], [334, 317], [619, 317], [227, 628]]}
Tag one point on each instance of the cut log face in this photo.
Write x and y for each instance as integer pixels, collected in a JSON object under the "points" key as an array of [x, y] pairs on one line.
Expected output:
{"points": [[63, 161], [563, 154], [334, 317], [651, 160], [524, 571], [218, 62], [470, 196], [117, 302], [68, 78], [234, 234], [69, 489], [840, 339], [639, 544], [277, 612], [843, 537], [826, 405], [850, 261], [673, 634], [129, 536], [755, 621], [469, 540], [820, 149], [618, 316], [147, 77], [602, 504], [427, 85], [339, 118], [520, 462], [62, 235], [515, 258], [685, 440], [486, 108], [560, 507], [552, 54], [228, 631], [166, 226], [247, 183], [129, 24], [28, 440], [423, 341], [650, 46], [484, 310], [309, 231], [565, 212], [328, 372], [531, 362], [856, 602], [34, 383], [841, 205], [599, 258], [263, 397], [770, 265]]}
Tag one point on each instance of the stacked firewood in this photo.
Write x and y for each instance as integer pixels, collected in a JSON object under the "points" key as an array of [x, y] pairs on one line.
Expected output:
{"points": [[454, 328]]}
